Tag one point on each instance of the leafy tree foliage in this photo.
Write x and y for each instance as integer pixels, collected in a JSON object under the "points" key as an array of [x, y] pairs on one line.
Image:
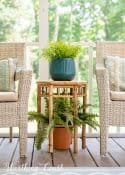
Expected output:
{"points": [[89, 20], [7, 19], [77, 20], [19, 20]]}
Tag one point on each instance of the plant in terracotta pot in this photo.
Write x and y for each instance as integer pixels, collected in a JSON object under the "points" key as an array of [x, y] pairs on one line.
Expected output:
{"points": [[63, 126], [61, 57], [62, 123]]}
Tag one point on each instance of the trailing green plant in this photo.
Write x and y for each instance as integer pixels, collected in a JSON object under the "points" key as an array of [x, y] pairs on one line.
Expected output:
{"points": [[62, 115], [42, 127], [60, 49], [87, 118]]}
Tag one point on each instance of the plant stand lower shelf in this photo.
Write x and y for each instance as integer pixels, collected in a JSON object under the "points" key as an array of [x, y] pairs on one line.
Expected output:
{"points": [[63, 89]]}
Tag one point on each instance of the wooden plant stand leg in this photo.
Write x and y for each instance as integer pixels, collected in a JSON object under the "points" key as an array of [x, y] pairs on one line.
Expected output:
{"points": [[84, 126], [11, 134], [75, 126], [50, 117], [39, 99], [83, 136]]}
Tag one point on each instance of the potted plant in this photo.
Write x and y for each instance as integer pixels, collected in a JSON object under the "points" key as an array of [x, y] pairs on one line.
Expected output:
{"points": [[62, 123], [62, 116], [61, 57]]}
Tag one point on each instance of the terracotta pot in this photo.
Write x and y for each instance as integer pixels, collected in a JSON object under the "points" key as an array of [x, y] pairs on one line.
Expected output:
{"points": [[62, 138]]}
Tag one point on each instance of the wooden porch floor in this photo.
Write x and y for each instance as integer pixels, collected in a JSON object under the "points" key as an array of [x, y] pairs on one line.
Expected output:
{"points": [[90, 157]]}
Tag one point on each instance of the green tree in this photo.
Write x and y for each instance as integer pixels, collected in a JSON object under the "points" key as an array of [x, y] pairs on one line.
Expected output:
{"points": [[88, 20], [7, 19]]}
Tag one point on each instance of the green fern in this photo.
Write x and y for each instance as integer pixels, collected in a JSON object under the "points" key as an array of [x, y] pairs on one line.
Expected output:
{"points": [[42, 127], [62, 115], [41, 134]]}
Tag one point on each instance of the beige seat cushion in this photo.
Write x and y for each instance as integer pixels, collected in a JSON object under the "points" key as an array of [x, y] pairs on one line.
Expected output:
{"points": [[8, 96], [117, 96]]}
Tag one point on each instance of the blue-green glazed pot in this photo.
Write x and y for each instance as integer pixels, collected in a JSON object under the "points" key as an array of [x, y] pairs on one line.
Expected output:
{"points": [[62, 69]]}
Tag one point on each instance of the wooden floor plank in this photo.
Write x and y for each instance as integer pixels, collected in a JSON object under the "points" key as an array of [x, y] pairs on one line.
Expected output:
{"points": [[9, 152], [62, 158], [17, 162], [1, 140], [42, 158], [6, 152], [117, 152], [94, 149], [83, 158], [120, 141]]}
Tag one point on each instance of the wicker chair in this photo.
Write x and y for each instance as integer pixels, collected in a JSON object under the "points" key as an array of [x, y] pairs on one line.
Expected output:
{"points": [[111, 112], [14, 114]]}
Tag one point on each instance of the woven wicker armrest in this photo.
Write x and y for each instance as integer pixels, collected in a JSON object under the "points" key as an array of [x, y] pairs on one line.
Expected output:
{"points": [[103, 82], [25, 78]]}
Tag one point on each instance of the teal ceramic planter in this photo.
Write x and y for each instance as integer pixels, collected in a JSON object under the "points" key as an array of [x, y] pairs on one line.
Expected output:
{"points": [[62, 69]]}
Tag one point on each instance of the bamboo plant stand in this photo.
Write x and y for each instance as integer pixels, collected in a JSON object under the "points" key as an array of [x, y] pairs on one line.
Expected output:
{"points": [[63, 89]]}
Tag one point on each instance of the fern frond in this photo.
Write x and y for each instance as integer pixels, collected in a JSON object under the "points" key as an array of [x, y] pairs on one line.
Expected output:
{"points": [[41, 134]]}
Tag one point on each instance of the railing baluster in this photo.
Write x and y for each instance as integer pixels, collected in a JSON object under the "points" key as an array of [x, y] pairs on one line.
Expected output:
{"points": [[90, 79]]}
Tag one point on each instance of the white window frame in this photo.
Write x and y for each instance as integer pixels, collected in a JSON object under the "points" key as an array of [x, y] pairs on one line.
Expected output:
{"points": [[43, 23]]}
